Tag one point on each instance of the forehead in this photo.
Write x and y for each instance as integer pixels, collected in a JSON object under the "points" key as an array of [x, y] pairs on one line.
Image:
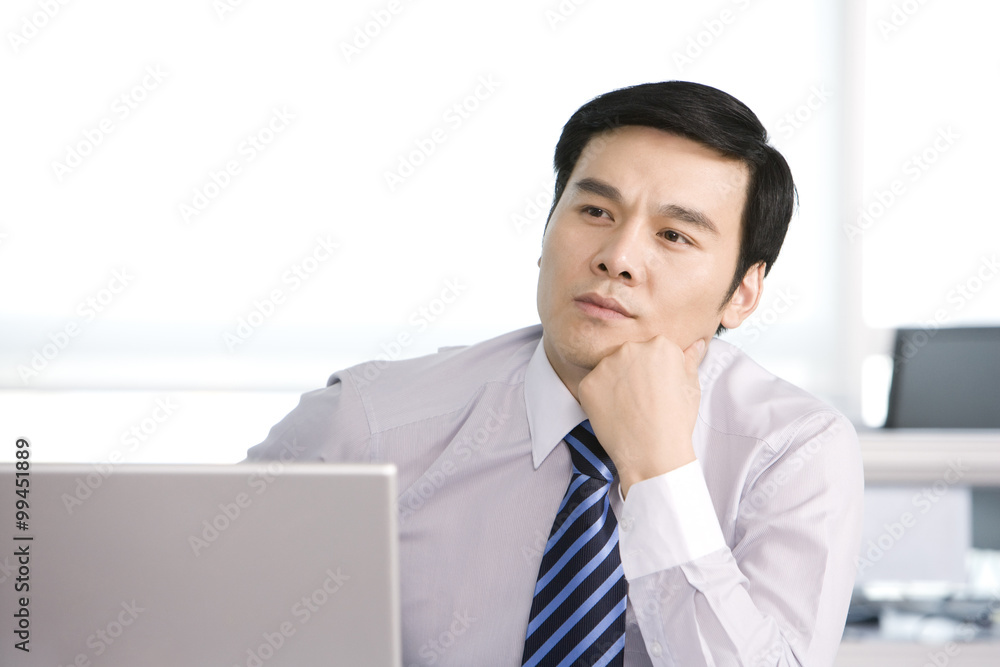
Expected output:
{"points": [[658, 163]]}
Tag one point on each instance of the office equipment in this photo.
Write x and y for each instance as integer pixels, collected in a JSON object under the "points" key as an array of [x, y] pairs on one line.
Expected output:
{"points": [[240, 565], [950, 379], [945, 378]]}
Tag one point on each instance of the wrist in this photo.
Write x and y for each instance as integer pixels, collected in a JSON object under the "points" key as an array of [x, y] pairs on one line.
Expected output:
{"points": [[665, 460]]}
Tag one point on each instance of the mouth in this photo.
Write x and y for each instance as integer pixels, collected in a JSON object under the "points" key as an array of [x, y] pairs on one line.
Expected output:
{"points": [[601, 307]]}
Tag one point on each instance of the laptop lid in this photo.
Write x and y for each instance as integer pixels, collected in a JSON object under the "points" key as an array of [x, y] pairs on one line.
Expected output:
{"points": [[249, 565]]}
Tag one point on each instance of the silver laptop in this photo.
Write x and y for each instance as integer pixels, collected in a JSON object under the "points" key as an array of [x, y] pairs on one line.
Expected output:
{"points": [[248, 565]]}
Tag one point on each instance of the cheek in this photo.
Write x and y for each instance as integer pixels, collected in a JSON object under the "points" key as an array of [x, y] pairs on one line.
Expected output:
{"points": [[555, 263], [548, 282], [706, 276], [688, 300]]}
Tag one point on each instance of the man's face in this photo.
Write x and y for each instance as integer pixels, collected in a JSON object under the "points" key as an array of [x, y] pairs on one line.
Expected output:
{"points": [[644, 241]]}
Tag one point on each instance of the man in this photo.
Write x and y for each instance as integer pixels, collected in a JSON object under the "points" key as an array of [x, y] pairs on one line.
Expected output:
{"points": [[616, 486]]}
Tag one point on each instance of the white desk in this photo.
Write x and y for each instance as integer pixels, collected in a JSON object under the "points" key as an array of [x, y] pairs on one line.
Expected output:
{"points": [[901, 654], [918, 456]]}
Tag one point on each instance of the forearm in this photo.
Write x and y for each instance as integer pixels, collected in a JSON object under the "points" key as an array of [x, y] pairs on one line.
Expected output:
{"points": [[778, 596]]}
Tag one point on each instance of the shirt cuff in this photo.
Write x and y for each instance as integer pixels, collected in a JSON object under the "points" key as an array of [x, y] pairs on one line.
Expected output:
{"points": [[666, 521]]}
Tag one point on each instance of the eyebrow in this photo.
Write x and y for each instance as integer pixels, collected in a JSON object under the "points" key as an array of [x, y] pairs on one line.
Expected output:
{"points": [[675, 211], [689, 215]]}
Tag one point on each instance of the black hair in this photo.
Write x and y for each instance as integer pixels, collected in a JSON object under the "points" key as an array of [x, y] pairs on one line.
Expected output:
{"points": [[712, 118]]}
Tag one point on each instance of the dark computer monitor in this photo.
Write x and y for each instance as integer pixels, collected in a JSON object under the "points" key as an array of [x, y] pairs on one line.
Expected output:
{"points": [[945, 378], [948, 379]]}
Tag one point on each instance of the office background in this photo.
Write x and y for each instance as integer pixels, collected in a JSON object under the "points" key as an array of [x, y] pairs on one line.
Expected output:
{"points": [[220, 203], [210, 206]]}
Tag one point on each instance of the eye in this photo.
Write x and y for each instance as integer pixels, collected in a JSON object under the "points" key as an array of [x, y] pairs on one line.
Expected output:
{"points": [[674, 237], [595, 212]]}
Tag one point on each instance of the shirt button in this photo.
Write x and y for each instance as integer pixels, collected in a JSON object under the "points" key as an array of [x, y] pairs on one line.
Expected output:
{"points": [[655, 649], [626, 524]]}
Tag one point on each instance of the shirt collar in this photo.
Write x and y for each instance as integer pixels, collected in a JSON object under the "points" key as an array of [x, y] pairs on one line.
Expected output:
{"points": [[552, 410]]}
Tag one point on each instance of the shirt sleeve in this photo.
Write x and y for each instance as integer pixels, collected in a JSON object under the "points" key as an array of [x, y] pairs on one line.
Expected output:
{"points": [[328, 424], [776, 592], [684, 528]]}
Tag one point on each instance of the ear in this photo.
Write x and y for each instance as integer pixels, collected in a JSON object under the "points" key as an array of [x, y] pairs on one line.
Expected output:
{"points": [[745, 299], [539, 262]]}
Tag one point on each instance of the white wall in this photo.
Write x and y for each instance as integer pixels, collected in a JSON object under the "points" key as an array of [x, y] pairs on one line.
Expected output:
{"points": [[466, 223]]}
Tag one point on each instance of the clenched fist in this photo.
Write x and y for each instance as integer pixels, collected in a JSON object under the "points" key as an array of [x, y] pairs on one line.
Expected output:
{"points": [[642, 402]]}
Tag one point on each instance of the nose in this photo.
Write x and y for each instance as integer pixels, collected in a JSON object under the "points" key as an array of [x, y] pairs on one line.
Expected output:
{"points": [[620, 256]]}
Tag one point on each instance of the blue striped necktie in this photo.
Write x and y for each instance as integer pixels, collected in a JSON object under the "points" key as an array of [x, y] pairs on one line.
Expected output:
{"points": [[578, 612]]}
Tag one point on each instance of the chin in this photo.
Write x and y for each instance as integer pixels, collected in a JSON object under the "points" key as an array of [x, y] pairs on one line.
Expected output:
{"points": [[585, 350]]}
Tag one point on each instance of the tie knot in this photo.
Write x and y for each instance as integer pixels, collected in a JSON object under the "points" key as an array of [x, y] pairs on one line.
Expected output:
{"points": [[589, 457]]}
